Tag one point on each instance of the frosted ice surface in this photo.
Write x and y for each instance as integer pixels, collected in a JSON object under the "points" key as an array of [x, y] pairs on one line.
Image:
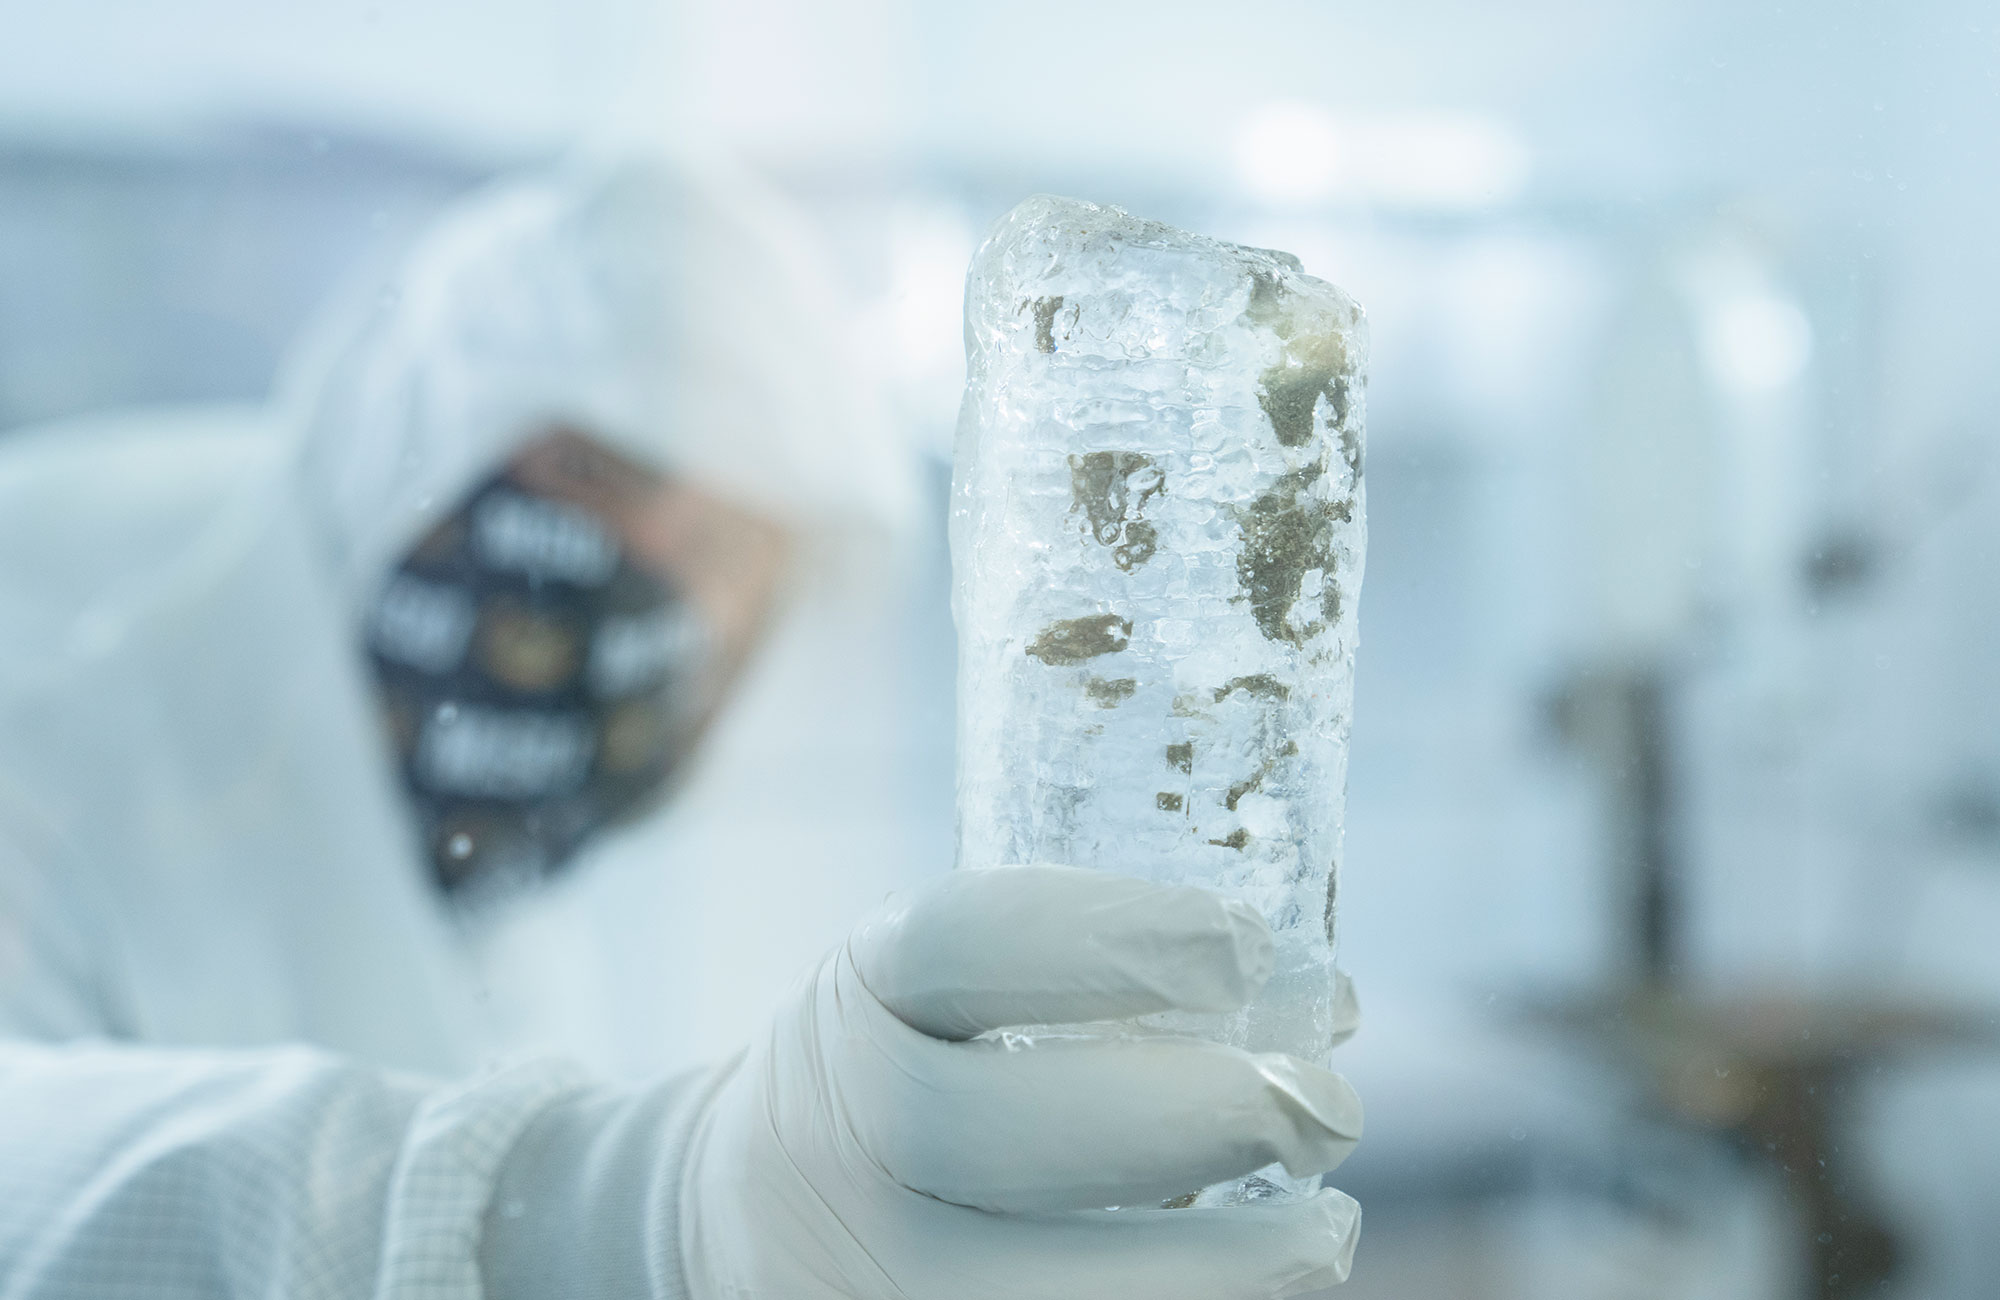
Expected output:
{"points": [[1157, 534]]}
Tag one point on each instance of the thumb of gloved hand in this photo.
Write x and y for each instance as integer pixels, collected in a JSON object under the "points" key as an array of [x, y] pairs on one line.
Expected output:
{"points": [[871, 1144]]}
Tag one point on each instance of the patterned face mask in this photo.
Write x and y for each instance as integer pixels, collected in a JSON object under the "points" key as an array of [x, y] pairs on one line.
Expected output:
{"points": [[539, 685]]}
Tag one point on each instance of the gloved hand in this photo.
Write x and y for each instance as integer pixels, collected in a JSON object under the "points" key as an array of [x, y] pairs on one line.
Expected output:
{"points": [[866, 1148]]}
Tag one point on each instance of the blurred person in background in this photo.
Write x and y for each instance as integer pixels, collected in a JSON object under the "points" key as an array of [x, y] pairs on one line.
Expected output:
{"points": [[285, 700]]}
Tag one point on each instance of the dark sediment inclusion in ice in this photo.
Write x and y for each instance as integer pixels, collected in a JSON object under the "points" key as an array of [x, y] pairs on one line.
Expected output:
{"points": [[1140, 543], [1262, 685], [1288, 532], [1236, 839], [1181, 756], [1073, 640], [1045, 321], [1310, 368], [1110, 692], [1255, 779], [1290, 395], [1167, 801], [1112, 488]]}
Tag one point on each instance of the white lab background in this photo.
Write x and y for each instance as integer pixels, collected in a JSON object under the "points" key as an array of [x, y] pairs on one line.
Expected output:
{"points": [[1684, 391]]}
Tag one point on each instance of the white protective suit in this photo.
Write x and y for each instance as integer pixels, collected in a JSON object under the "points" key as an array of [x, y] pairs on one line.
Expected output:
{"points": [[200, 841], [240, 1052]]}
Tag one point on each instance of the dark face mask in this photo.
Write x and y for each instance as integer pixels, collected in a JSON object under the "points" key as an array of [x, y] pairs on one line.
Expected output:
{"points": [[540, 687]]}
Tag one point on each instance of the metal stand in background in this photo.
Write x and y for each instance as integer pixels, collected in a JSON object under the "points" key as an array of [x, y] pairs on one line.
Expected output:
{"points": [[1771, 1070], [1621, 721]]}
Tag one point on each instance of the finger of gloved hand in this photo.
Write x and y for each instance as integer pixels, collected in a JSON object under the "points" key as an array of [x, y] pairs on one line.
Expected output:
{"points": [[1062, 1123], [1249, 1252], [1346, 1008], [1002, 946]]}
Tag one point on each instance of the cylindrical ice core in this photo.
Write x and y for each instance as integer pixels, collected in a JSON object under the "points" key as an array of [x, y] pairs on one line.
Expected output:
{"points": [[1157, 535]]}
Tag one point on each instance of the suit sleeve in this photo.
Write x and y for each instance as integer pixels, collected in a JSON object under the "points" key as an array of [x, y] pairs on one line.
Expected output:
{"points": [[129, 1169]]}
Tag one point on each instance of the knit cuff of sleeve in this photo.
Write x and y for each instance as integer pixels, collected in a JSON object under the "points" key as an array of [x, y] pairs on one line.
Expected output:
{"points": [[588, 1201]]}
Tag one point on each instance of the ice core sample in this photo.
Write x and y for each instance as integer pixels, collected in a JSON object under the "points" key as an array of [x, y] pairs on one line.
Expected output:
{"points": [[1157, 535]]}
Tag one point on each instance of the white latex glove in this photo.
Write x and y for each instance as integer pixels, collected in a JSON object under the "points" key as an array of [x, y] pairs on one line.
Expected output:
{"points": [[867, 1149]]}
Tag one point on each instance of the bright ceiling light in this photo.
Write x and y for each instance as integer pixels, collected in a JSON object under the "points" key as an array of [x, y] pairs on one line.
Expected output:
{"points": [[1442, 160], [1756, 343], [1292, 153]]}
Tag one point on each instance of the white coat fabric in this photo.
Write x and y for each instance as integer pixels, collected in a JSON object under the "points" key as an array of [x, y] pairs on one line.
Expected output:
{"points": [[204, 870], [240, 1050]]}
